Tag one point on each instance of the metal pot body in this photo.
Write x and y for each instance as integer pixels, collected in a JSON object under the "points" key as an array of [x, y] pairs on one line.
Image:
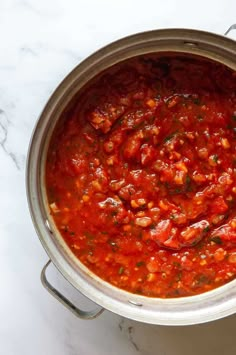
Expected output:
{"points": [[181, 311]]}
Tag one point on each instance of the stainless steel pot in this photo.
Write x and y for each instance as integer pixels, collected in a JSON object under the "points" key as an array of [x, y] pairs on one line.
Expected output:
{"points": [[181, 311]]}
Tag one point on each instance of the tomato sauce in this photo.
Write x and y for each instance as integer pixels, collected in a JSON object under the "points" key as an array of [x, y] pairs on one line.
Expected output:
{"points": [[141, 174]]}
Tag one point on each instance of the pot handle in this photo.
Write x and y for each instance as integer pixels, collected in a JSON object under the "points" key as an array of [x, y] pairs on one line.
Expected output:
{"points": [[62, 299], [231, 28]]}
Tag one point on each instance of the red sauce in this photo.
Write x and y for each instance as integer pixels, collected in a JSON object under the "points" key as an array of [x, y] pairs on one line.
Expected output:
{"points": [[141, 176]]}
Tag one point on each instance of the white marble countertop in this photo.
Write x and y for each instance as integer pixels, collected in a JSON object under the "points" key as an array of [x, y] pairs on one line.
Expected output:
{"points": [[40, 42]]}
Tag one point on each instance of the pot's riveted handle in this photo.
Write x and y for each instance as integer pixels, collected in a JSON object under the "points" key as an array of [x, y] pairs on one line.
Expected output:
{"points": [[55, 293], [231, 28]]}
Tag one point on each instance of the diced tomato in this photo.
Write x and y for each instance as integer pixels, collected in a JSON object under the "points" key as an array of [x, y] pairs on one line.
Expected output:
{"points": [[132, 146], [218, 205], [161, 232], [194, 233], [104, 116], [225, 232], [147, 154]]}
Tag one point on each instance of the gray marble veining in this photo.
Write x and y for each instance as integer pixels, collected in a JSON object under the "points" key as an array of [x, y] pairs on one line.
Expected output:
{"points": [[41, 41]]}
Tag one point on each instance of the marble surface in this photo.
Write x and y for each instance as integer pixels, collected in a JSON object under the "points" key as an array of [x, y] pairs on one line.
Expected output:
{"points": [[40, 42]]}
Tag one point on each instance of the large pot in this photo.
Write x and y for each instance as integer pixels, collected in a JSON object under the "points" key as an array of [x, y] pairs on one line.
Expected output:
{"points": [[181, 311]]}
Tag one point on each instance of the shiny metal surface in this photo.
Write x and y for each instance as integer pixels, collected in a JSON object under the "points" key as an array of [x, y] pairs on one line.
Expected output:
{"points": [[182, 311], [231, 28], [55, 293]]}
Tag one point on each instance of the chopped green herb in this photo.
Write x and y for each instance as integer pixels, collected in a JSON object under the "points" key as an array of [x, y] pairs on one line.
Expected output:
{"points": [[196, 101], [140, 263], [188, 179], [199, 245], [114, 213], [216, 240], [138, 102], [140, 234], [200, 118], [176, 264], [188, 184], [234, 117], [206, 229], [215, 158], [175, 292], [89, 235], [202, 279], [121, 270], [170, 136], [179, 276], [178, 191], [152, 226]]}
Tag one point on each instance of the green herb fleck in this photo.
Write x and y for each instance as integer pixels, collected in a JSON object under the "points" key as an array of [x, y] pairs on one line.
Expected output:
{"points": [[140, 234], [188, 179], [176, 264], [140, 263], [89, 235], [188, 184], [202, 279], [216, 240], [152, 226], [178, 191], [114, 213], [215, 158], [170, 136], [196, 101], [138, 102], [234, 117], [206, 229], [179, 276], [121, 270], [175, 292], [200, 118]]}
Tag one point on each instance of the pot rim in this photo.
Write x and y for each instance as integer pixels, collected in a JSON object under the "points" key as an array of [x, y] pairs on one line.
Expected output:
{"points": [[201, 308]]}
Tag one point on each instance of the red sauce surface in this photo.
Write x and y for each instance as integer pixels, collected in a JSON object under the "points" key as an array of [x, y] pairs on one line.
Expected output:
{"points": [[141, 176]]}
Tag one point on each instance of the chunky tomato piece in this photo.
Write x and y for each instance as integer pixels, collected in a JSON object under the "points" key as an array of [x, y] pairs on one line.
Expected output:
{"points": [[218, 205], [226, 232], [161, 232]]}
